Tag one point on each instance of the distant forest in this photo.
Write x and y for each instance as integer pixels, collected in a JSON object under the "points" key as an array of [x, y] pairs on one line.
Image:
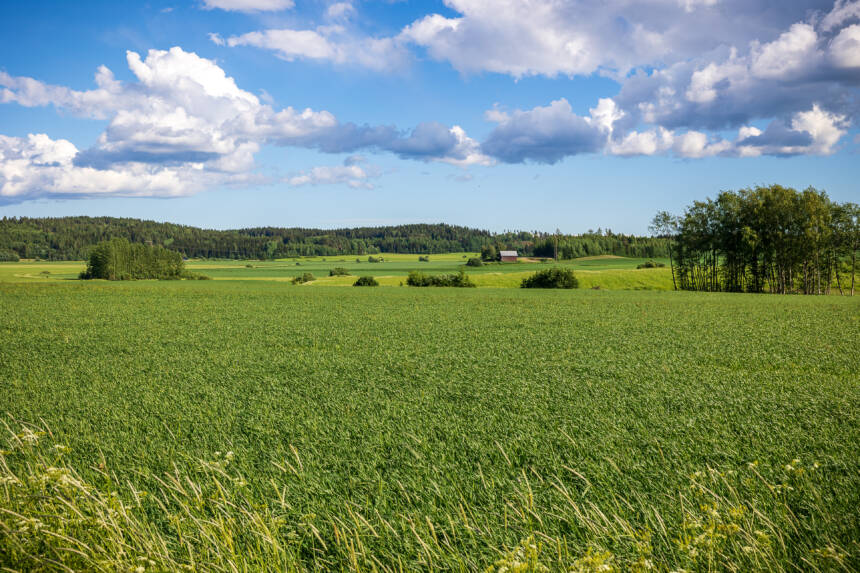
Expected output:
{"points": [[72, 238]]}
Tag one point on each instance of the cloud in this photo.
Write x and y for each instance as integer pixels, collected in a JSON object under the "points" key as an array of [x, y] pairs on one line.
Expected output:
{"points": [[814, 131], [38, 166], [577, 37], [185, 125], [543, 134], [350, 173], [340, 11], [809, 63], [248, 5], [687, 69], [845, 48], [651, 142], [843, 11], [695, 144], [326, 43]]}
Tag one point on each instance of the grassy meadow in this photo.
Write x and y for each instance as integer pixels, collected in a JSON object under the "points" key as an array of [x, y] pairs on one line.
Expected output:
{"points": [[246, 423], [606, 272]]}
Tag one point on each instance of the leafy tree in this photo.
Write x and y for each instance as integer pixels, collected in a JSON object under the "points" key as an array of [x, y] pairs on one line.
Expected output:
{"points": [[665, 225], [366, 281], [474, 262], [766, 239], [489, 253], [8, 256]]}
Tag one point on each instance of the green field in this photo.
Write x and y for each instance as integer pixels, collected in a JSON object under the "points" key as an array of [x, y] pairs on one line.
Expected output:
{"points": [[606, 272], [445, 429]]}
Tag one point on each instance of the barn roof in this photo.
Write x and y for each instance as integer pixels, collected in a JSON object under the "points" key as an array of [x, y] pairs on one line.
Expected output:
{"points": [[507, 253]]}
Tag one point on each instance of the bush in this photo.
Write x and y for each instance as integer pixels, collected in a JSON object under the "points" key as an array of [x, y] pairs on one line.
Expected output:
{"points": [[304, 278], [8, 256], [188, 275], [474, 262], [551, 278], [423, 259], [419, 279], [119, 259], [366, 281], [338, 272], [374, 259], [650, 265]]}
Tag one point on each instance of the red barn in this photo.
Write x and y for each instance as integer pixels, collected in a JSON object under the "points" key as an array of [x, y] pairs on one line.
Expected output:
{"points": [[508, 256]]}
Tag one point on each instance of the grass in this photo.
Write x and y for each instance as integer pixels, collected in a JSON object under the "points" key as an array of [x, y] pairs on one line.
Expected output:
{"points": [[606, 272], [446, 429]]}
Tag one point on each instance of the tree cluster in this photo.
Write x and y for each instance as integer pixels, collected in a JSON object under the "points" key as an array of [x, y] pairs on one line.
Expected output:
{"points": [[119, 259], [766, 239]]}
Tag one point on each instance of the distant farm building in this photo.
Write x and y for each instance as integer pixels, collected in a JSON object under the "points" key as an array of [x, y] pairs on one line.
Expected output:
{"points": [[508, 256]]}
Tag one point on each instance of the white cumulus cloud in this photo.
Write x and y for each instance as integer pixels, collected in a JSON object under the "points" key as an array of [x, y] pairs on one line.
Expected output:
{"points": [[248, 5], [184, 125]]}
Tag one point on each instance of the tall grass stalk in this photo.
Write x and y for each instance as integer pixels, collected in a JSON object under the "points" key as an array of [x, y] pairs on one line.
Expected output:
{"points": [[201, 517]]}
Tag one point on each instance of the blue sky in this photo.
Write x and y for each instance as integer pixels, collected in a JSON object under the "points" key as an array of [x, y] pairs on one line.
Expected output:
{"points": [[499, 114]]}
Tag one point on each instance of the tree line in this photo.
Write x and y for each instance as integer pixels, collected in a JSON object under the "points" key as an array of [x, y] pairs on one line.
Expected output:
{"points": [[72, 238], [764, 239]]}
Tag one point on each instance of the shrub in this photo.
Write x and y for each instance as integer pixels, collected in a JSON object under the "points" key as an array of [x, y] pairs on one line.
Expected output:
{"points": [[650, 265], [366, 281], [338, 272], [374, 259], [423, 259], [551, 278], [8, 256], [474, 262], [118, 259], [419, 279], [188, 275], [304, 278]]}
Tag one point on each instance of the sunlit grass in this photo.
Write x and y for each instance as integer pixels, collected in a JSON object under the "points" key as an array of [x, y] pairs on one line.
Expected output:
{"points": [[606, 272], [404, 428]]}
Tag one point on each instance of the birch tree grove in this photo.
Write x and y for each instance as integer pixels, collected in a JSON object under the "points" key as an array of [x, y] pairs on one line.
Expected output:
{"points": [[767, 239]]}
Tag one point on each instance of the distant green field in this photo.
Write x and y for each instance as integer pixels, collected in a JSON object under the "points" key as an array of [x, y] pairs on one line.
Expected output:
{"points": [[606, 272], [418, 429]]}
